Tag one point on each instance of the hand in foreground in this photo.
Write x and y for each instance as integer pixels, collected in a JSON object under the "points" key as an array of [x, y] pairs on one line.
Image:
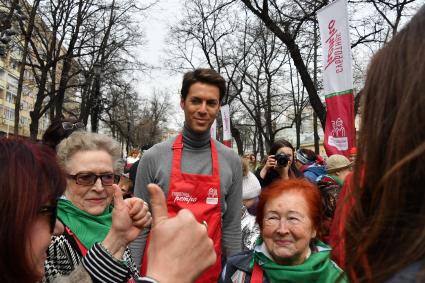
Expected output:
{"points": [[129, 217], [179, 249]]}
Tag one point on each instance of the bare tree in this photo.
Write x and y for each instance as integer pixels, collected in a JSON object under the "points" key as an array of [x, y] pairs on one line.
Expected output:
{"points": [[285, 21], [156, 112], [64, 41]]}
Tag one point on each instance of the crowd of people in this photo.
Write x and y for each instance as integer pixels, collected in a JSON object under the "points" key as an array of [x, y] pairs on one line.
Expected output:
{"points": [[191, 210]]}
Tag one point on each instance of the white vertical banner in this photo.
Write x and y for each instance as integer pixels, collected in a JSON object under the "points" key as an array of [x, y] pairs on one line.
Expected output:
{"points": [[227, 133], [334, 36], [340, 132], [213, 130]]}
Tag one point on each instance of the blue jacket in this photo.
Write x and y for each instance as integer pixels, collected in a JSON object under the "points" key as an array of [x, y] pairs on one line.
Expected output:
{"points": [[314, 171]]}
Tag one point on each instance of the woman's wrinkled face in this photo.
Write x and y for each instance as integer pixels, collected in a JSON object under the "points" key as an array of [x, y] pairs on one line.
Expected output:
{"points": [[93, 199], [287, 228]]}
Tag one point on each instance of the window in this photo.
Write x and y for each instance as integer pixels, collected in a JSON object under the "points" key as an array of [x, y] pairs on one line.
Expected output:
{"points": [[2, 74], [10, 97], [12, 81], [24, 105], [14, 64], [9, 114], [28, 75], [24, 121]]}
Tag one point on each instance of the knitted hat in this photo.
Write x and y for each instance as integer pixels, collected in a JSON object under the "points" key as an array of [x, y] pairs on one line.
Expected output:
{"points": [[337, 162], [302, 156], [251, 187]]}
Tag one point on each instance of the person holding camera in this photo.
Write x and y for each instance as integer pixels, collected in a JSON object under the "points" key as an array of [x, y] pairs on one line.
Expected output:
{"points": [[279, 164]]}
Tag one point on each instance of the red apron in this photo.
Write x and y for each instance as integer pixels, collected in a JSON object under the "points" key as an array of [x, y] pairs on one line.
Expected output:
{"points": [[201, 195]]}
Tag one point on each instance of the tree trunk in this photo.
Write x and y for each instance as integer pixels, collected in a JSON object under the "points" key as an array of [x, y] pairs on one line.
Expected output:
{"points": [[27, 38], [261, 146], [67, 64], [315, 131], [237, 136], [316, 135], [35, 117], [298, 129], [95, 113]]}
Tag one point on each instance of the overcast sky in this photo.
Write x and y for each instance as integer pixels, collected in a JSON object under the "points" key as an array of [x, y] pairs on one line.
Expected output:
{"points": [[155, 25]]}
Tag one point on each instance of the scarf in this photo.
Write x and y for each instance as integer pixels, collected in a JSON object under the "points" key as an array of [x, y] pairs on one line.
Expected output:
{"points": [[316, 268], [337, 180], [88, 228]]}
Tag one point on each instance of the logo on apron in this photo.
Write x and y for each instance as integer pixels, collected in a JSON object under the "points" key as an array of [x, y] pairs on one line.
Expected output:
{"points": [[212, 196], [183, 197]]}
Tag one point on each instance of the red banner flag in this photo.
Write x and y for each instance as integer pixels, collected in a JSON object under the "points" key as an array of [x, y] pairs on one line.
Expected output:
{"points": [[340, 132]]}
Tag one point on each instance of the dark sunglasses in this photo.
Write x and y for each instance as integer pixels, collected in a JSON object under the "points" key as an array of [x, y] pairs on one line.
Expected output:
{"points": [[53, 211], [69, 125], [89, 179]]}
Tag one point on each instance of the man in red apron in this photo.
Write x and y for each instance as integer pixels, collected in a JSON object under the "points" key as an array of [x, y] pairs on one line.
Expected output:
{"points": [[196, 172]]}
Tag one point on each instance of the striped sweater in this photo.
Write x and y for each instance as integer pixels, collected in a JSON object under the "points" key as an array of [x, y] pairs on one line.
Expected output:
{"points": [[64, 257]]}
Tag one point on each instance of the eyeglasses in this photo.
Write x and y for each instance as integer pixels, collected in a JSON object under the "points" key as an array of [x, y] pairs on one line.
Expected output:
{"points": [[274, 220], [52, 210], [69, 125], [89, 179]]}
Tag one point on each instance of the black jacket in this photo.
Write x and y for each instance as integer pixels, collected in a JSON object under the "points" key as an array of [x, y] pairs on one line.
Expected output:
{"points": [[239, 263]]}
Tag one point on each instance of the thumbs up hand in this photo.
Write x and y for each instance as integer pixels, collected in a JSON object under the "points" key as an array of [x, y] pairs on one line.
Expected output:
{"points": [[179, 248], [129, 217]]}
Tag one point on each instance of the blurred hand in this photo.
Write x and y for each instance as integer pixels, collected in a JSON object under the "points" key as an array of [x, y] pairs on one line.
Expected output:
{"points": [[179, 248]]}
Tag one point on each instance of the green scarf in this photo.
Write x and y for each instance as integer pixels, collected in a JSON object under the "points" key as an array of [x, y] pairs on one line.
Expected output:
{"points": [[337, 179], [317, 268], [88, 228]]}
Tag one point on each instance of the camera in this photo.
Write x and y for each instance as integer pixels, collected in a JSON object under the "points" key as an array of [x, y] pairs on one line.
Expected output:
{"points": [[282, 159]]}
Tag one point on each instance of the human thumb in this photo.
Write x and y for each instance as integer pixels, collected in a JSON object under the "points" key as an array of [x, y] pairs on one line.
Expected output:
{"points": [[158, 205], [118, 198]]}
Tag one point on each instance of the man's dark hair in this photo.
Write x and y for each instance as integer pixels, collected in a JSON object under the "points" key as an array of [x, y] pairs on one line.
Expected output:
{"points": [[206, 76]]}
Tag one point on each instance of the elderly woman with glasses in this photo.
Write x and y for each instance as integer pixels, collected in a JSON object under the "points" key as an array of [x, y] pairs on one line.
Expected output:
{"points": [[289, 217], [92, 165], [31, 182]]}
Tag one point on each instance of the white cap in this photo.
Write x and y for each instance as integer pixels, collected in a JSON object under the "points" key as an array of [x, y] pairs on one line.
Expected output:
{"points": [[251, 187]]}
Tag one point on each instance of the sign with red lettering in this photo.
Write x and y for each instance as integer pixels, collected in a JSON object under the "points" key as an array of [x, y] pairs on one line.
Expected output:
{"points": [[213, 130], [227, 133], [337, 78]]}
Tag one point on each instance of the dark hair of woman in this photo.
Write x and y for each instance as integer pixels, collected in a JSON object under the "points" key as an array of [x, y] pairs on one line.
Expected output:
{"points": [[385, 231], [56, 132], [293, 171], [30, 177], [310, 192]]}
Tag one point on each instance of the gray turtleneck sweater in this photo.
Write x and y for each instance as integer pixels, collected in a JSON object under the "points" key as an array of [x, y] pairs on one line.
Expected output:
{"points": [[155, 167]]}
